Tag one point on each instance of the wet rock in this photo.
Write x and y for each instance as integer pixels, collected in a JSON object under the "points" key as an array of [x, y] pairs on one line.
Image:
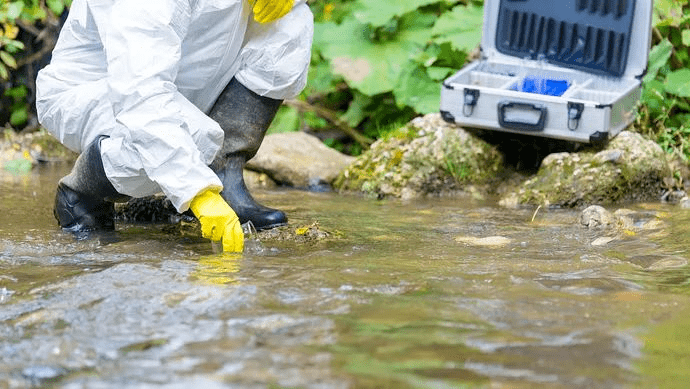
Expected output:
{"points": [[638, 221], [309, 233], [39, 375], [619, 224], [300, 160], [603, 241], [150, 209], [630, 168], [596, 217], [489, 241], [428, 156], [23, 151]]}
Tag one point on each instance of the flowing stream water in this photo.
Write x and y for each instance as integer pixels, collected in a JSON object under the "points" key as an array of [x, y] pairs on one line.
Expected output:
{"points": [[436, 293]]}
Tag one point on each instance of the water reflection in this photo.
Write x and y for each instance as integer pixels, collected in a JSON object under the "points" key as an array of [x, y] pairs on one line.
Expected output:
{"points": [[432, 293]]}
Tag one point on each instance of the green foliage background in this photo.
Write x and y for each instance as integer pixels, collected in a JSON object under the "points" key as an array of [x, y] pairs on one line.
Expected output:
{"points": [[665, 109], [376, 64], [27, 34]]}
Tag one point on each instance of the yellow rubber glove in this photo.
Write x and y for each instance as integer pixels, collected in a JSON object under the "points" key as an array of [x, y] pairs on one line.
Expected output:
{"points": [[266, 11], [218, 220]]}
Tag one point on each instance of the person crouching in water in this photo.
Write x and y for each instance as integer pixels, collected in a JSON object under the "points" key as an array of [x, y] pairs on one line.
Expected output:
{"points": [[171, 96]]}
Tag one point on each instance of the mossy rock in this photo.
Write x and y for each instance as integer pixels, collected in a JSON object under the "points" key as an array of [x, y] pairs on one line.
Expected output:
{"points": [[630, 168], [427, 156]]}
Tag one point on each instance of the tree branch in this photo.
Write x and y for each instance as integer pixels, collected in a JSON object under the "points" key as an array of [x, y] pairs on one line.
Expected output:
{"points": [[332, 117]]}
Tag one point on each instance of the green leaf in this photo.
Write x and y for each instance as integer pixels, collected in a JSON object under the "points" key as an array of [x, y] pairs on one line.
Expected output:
{"points": [[14, 9], [357, 110], [57, 6], [439, 73], [4, 74], [321, 79], [371, 67], [12, 46], [34, 13], [286, 120], [658, 57], [379, 12], [686, 37], [678, 83], [417, 90], [462, 27], [8, 59], [668, 12], [654, 97], [17, 92], [19, 116]]}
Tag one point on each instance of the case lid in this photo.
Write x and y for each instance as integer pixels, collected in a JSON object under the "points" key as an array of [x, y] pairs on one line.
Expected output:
{"points": [[604, 37]]}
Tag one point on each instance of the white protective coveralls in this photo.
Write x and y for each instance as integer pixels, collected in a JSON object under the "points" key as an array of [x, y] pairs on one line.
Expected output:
{"points": [[146, 72]]}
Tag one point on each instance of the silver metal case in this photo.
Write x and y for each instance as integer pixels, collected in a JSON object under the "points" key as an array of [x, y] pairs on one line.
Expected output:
{"points": [[597, 48]]}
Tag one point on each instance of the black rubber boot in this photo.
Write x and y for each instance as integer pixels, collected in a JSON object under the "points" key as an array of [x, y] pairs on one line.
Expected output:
{"points": [[85, 198], [244, 116]]}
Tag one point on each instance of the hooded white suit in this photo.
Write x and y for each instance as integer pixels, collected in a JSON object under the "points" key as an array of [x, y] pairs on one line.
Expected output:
{"points": [[146, 72]]}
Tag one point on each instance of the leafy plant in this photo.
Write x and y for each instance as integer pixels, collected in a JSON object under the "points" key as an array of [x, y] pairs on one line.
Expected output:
{"points": [[381, 62], [28, 29], [665, 109]]}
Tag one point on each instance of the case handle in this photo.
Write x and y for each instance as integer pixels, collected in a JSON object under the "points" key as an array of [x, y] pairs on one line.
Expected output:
{"points": [[470, 101], [574, 115], [522, 116]]}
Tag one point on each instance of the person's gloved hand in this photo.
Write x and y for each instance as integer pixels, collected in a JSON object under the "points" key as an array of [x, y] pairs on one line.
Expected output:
{"points": [[266, 11], [218, 220]]}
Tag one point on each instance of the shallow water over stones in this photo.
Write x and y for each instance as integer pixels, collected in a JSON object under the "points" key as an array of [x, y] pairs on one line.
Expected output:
{"points": [[431, 293]]}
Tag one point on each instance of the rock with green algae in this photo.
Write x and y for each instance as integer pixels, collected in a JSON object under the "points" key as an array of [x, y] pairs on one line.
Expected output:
{"points": [[35, 146], [630, 168], [426, 157]]}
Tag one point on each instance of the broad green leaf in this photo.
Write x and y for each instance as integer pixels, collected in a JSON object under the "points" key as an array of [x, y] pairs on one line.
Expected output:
{"points": [[418, 90], [462, 27], [19, 116], [12, 46], [8, 59], [658, 57], [4, 74], [321, 79], [668, 12], [17, 92], [678, 83], [379, 12], [416, 27], [13, 10], [372, 68], [686, 37], [654, 97], [286, 120], [57, 6], [357, 110], [439, 73], [34, 13]]}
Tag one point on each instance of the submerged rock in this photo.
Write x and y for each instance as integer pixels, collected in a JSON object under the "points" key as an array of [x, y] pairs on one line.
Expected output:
{"points": [[621, 223], [428, 156]]}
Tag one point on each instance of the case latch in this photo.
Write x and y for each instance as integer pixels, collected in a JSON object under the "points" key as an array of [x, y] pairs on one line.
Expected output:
{"points": [[471, 98], [574, 115]]}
